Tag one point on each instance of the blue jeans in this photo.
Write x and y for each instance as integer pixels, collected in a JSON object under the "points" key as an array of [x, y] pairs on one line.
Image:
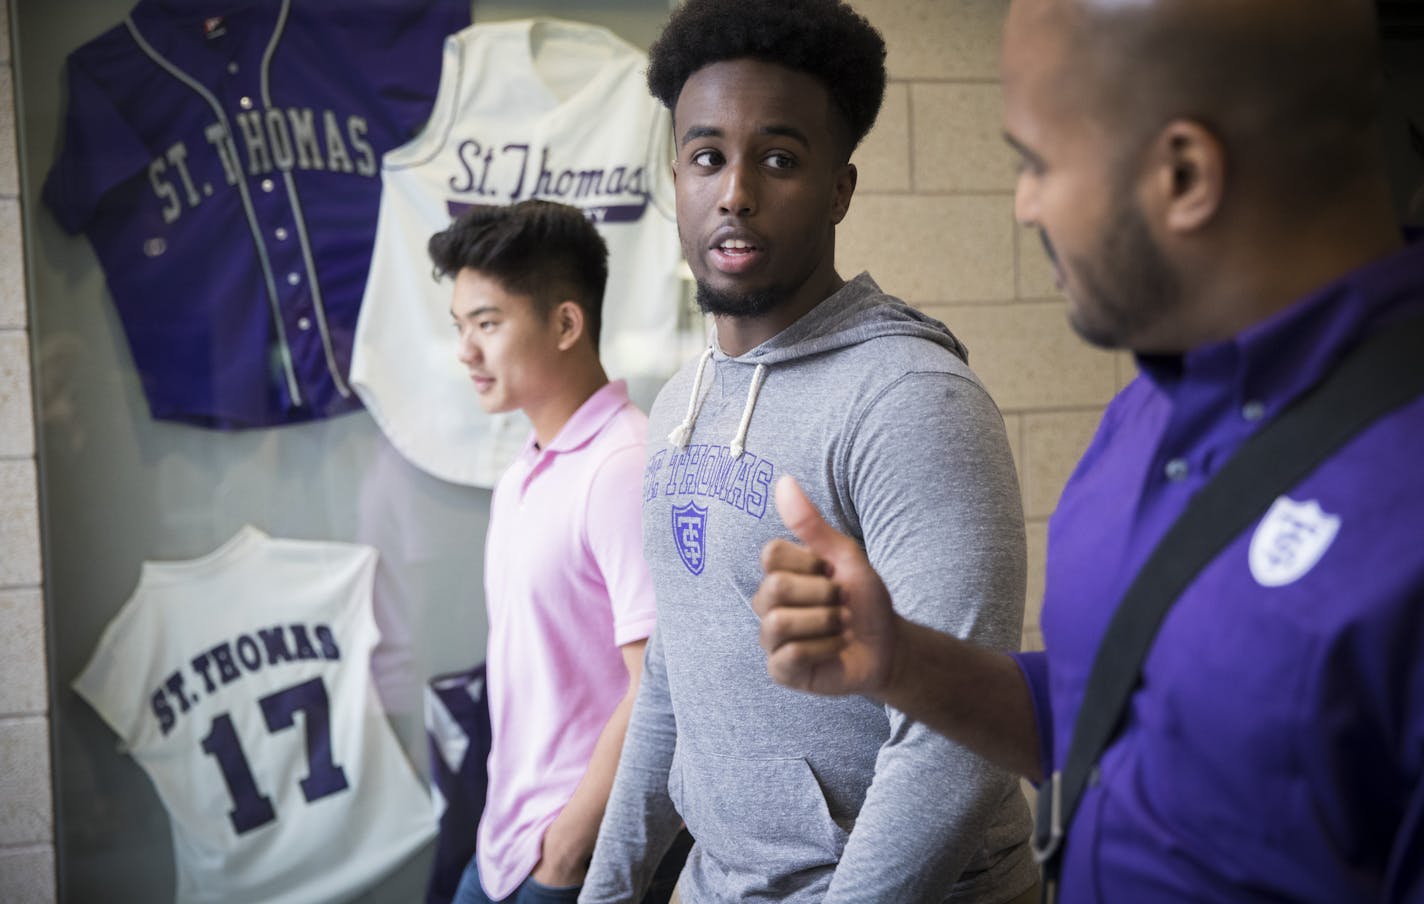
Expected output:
{"points": [[530, 892]]}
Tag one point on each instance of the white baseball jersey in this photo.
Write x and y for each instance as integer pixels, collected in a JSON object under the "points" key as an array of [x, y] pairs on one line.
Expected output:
{"points": [[240, 681], [526, 109]]}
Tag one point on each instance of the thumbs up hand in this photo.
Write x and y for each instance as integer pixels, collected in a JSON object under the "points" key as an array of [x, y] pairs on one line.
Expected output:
{"points": [[827, 624]]}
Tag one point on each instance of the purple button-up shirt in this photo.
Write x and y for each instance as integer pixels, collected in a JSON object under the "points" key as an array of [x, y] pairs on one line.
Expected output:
{"points": [[1274, 749]]}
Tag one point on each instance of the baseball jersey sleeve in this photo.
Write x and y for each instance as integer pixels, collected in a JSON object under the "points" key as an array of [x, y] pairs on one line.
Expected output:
{"points": [[100, 150], [613, 531], [399, 45]]}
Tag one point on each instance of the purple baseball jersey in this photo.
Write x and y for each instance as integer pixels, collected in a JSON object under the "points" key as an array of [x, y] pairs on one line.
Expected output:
{"points": [[226, 169]]}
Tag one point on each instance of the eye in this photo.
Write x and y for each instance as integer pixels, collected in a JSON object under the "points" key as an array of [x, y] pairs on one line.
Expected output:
{"points": [[486, 326], [706, 157], [1029, 166], [780, 160]]}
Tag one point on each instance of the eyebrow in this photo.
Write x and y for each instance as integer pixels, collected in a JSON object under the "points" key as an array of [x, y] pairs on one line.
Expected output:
{"points": [[791, 132], [487, 309], [1023, 150]]}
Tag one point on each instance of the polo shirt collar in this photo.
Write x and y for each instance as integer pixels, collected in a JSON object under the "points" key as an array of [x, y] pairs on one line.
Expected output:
{"points": [[592, 416]]}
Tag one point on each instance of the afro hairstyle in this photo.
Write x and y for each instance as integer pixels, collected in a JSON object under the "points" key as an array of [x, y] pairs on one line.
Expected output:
{"points": [[825, 39]]}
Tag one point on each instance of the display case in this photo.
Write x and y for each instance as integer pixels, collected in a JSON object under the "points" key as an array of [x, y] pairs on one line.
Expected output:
{"points": [[120, 487]]}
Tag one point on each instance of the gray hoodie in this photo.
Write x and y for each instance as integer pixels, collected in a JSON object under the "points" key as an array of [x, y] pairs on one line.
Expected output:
{"points": [[794, 797]]}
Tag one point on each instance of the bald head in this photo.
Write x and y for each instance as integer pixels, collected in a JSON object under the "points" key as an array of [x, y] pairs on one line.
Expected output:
{"points": [[1291, 88]]}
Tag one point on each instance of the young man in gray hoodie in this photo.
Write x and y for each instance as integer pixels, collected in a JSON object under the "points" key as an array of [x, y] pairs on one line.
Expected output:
{"points": [[872, 407]]}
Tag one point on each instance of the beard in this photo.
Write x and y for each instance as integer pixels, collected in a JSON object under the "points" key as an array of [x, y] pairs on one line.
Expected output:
{"points": [[1127, 287], [744, 304]]}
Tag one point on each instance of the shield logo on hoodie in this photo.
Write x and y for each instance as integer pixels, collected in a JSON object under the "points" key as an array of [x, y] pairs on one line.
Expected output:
{"points": [[1290, 539], [689, 533]]}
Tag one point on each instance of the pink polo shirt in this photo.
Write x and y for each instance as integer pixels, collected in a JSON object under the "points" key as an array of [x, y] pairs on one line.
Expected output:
{"points": [[565, 586]]}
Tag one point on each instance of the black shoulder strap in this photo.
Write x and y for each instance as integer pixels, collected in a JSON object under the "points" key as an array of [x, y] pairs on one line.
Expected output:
{"points": [[1378, 376]]}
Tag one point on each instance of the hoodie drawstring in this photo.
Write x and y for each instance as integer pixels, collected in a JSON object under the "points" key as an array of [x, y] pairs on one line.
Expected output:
{"points": [[683, 432], [739, 442]]}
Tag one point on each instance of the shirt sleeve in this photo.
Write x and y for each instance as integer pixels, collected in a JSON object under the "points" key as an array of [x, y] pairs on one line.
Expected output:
{"points": [[117, 670], [1359, 740], [1034, 667], [942, 523], [99, 151], [613, 532], [640, 821], [400, 45]]}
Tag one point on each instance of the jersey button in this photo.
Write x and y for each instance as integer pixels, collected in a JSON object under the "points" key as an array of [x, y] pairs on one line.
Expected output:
{"points": [[281, 233], [1176, 470], [245, 103], [303, 324], [293, 278], [232, 69], [1253, 411], [268, 185]]}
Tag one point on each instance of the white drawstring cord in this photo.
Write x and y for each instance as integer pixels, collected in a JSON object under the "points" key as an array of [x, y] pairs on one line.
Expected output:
{"points": [[683, 432], [739, 442]]}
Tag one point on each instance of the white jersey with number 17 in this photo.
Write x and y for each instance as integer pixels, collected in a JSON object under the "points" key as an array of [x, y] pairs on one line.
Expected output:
{"points": [[241, 683]]}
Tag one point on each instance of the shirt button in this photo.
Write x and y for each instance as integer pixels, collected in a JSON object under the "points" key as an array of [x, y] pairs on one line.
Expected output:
{"points": [[281, 233], [303, 324], [1253, 411], [245, 103], [1176, 469], [293, 278], [232, 69], [267, 185]]}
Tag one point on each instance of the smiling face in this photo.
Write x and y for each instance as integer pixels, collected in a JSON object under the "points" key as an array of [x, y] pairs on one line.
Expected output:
{"points": [[510, 347], [761, 184], [1076, 187]]}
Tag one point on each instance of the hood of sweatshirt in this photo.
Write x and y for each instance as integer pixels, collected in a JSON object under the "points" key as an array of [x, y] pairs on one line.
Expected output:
{"points": [[855, 313]]}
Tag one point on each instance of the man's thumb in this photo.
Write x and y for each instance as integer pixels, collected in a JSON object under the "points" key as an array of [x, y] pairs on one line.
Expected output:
{"points": [[802, 518]]}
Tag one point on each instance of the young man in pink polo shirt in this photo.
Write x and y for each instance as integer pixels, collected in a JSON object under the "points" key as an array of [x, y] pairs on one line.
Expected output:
{"points": [[569, 599]]}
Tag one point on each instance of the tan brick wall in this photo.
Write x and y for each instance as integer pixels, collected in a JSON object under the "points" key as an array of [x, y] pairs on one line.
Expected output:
{"points": [[26, 808], [933, 220]]}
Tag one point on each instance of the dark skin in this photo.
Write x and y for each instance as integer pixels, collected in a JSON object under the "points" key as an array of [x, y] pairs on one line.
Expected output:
{"points": [[761, 181], [1237, 250]]}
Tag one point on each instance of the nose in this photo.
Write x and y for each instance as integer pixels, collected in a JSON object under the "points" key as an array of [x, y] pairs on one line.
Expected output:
{"points": [[466, 350], [738, 190]]}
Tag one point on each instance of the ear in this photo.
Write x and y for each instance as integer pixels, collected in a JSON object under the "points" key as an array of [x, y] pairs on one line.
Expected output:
{"points": [[845, 187], [1186, 180], [568, 319]]}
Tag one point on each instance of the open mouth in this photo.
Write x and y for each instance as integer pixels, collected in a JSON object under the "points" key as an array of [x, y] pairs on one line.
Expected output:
{"points": [[735, 255]]}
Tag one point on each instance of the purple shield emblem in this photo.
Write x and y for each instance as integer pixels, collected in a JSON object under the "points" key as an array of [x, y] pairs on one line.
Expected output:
{"points": [[689, 534]]}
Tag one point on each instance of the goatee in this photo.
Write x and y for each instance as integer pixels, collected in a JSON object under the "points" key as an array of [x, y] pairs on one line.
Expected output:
{"points": [[745, 304]]}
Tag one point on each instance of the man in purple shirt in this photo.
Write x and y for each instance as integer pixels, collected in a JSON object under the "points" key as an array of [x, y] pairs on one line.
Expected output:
{"points": [[1207, 178]]}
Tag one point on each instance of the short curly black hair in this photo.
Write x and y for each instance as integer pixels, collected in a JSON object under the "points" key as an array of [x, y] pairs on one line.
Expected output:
{"points": [[541, 249], [825, 39]]}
